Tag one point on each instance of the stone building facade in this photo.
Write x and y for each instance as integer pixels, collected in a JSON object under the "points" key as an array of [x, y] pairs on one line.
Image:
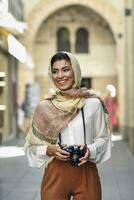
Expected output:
{"points": [[104, 63], [129, 73], [95, 66]]}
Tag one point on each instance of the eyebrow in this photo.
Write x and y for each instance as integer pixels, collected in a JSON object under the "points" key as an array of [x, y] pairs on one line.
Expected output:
{"points": [[66, 66]]}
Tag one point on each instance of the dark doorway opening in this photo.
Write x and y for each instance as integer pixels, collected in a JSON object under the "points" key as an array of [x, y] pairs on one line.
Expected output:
{"points": [[86, 82]]}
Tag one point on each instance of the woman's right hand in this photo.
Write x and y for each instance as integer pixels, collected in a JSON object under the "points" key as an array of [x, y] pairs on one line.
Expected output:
{"points": [[57, 152]]}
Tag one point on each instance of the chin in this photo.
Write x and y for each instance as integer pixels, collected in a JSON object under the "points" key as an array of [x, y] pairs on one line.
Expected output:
{"points": [[65, 87]]}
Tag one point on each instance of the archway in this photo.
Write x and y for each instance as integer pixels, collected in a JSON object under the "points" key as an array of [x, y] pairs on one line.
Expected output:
{"points": [[44, 9]]}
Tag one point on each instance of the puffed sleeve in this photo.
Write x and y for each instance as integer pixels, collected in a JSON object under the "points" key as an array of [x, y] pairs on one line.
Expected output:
{"points": [[100, 149], [36, 154], [35, 150]]}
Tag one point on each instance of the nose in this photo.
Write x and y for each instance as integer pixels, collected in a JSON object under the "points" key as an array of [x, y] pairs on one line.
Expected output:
{"points": [[60, 75]]}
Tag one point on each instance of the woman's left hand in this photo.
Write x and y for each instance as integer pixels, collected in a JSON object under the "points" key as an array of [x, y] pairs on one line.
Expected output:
{"points": [[85, 158]]}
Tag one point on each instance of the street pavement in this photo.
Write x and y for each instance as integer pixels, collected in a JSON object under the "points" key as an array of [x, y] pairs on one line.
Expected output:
{"points": [[20, 182]]}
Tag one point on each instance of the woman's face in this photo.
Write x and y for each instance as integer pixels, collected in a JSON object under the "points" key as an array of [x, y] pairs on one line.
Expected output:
{"points": [[63, 75]]}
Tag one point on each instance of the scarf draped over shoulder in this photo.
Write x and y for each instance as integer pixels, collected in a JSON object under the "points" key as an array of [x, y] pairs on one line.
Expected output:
{"points": [[49, 119]]}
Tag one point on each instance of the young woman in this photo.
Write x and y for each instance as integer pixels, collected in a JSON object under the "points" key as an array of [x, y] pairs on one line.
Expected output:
{"points": [[71, 125]]}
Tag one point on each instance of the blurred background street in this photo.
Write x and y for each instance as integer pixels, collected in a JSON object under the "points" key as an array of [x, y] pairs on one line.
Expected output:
{"points": [[100, 33], [19, 181]]}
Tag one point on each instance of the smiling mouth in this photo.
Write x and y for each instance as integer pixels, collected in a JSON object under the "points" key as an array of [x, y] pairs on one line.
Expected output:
{"points": [[62, 82]]}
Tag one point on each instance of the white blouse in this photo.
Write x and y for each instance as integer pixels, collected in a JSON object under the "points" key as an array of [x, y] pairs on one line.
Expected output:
{"points": [[98, 138]]}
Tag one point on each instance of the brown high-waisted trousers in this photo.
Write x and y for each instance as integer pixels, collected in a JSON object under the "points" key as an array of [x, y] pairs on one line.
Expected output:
{"points": [[61, 180]]}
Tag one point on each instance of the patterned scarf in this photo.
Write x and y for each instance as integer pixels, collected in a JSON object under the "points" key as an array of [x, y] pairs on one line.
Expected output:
{"points": [[53, 114]]}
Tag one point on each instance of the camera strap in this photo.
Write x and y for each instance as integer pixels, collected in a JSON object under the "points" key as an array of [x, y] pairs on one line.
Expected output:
{"points": [[84, 128]]}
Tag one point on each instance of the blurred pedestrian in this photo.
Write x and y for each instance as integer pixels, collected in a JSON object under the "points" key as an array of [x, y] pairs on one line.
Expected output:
{"points": [[20, 118], [112, 107], [69, 134]]}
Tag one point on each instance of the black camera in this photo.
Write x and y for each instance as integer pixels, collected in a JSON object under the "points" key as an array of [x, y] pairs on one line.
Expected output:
{"points": [[75, 153]]}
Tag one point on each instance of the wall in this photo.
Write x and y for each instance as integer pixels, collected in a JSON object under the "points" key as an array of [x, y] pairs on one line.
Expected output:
{"points": [[118, 4]]}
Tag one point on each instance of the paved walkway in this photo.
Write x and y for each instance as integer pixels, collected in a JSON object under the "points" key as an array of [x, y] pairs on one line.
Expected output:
{"points": [[20, 182]]}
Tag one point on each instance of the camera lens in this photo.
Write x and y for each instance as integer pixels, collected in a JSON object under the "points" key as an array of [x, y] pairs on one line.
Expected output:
{"points": [[74, 159]]}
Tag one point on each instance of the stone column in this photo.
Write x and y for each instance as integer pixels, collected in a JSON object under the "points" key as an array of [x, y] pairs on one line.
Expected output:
{"points": [[129, 65]]}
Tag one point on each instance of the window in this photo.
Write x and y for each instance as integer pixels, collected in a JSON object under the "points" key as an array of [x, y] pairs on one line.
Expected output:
{"points": [[86, 82], [63, 39], [81, 45]]}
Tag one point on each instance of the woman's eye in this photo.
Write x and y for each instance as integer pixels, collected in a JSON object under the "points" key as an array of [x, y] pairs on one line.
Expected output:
{"points": [[66, 70], [54, 71], [63, 70]]}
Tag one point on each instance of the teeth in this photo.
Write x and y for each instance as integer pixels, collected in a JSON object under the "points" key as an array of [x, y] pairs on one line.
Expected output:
{"points": [[61, 81]]}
